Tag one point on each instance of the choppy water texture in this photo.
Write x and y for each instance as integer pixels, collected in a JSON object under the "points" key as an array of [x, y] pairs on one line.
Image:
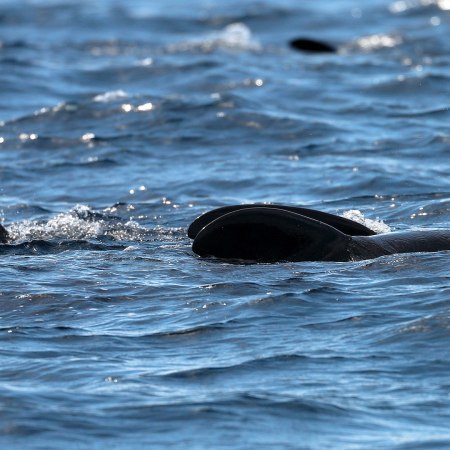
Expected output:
{"points": [[124, 120]]}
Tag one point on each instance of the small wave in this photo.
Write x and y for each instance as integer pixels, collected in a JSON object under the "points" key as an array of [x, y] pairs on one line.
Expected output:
{"points": [[442, 110], [435, 326], [427, 324], [376, 225], [267, 363], [45, 247], [233, 405]]}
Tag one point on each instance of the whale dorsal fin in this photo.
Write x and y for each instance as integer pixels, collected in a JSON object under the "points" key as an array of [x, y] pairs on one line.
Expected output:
{"points": [[340, 223], [263, 234]]}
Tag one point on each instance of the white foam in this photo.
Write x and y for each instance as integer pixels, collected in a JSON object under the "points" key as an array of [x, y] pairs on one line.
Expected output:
{"points": [[110, 96], [376, 225], [375, 41], [236, 36], [81, 222], [405, 5]]}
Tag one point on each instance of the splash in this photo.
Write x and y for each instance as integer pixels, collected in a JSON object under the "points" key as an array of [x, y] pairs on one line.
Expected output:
{"points": [[81, 222], [377, 41], [405, 5], [235, 36], [110, 96], [376, 225]]}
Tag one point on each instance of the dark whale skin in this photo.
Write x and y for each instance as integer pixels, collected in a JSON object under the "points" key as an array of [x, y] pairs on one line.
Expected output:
{"points": [[270, 234], [311, 46]]}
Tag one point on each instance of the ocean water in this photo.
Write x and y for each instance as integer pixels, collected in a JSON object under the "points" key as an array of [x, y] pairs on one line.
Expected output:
{"points": [[123, 120]]}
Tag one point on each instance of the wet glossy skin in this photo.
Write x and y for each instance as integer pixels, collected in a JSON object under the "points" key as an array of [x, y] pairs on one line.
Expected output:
{"points": [[272, 234]]}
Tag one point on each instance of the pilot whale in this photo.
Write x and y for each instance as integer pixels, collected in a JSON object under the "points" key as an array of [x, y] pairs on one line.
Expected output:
{"points": [[341, 223], [275, 233]]}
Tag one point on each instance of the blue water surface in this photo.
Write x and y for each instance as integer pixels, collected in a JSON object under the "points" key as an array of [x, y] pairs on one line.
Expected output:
{"points": [[123, 120]]}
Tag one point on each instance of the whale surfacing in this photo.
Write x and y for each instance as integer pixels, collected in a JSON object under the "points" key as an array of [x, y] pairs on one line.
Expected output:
{"points": [[341, 223], [274, 233]]}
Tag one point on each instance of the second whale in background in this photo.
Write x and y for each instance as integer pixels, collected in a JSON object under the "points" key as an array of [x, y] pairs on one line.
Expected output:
{"points": [[311, 46]]}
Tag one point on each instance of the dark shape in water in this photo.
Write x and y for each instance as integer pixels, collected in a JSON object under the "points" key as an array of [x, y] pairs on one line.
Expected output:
{"points": [[4, 236], [267, 234], [311, 46]]}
